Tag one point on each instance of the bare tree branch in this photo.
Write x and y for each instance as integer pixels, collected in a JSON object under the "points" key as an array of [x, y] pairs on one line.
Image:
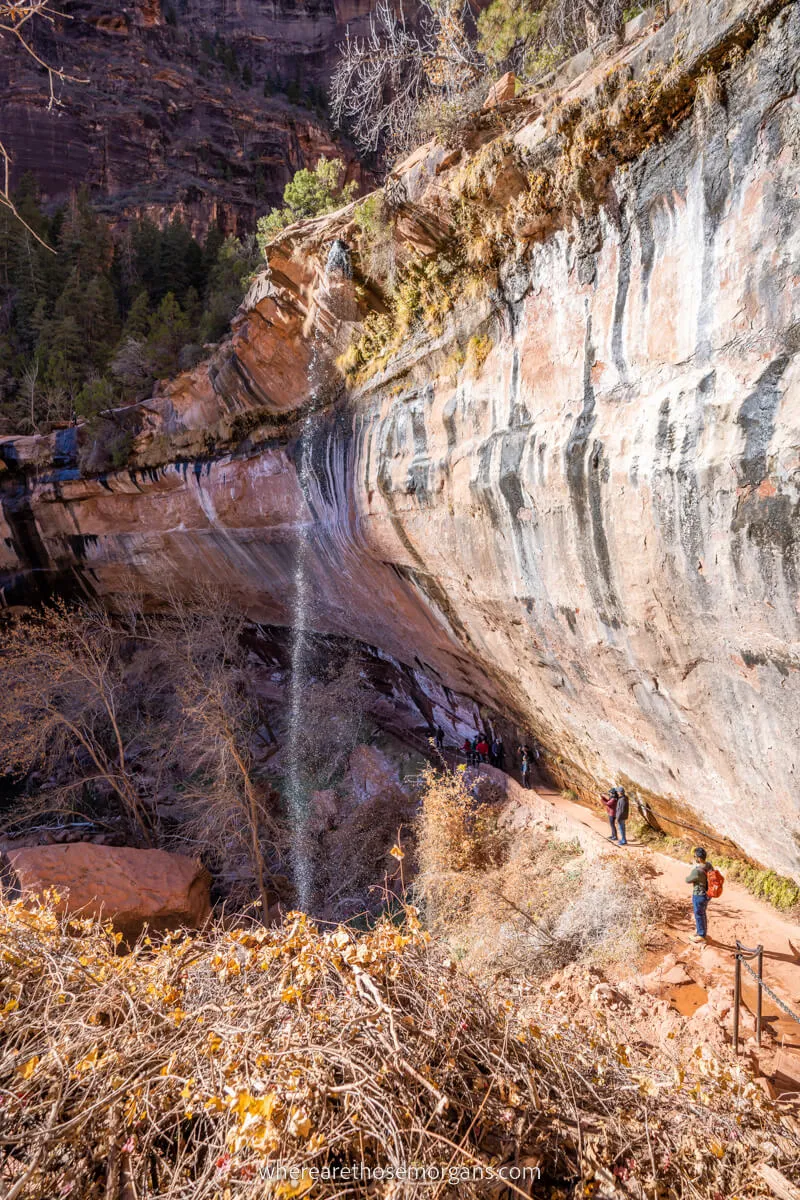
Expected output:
{"points": [[383, 79]]}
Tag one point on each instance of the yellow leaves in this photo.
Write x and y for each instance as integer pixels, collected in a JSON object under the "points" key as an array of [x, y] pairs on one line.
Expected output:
{"points": [[9, 1007], [716, 1148], [397, 852], [249, 1107], [178, 1016], [289, 1190], [300, 1123], [27, 1068], [292, 995], [256, 1130], [88, 1062], [213, 1042]]}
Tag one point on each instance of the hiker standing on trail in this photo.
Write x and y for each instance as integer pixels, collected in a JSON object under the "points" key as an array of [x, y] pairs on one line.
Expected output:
{"points": [[698, 877], [467, 750], [498, 753], [439, 738], [525, 765], [609, 803], [621, 812], [483, 749], [616, 805]]}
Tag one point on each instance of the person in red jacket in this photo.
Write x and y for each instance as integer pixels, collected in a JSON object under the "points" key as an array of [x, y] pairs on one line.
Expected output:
{"points": [[483, 749]]}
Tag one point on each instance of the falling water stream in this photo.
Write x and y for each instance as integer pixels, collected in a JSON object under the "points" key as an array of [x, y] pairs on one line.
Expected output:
{"points": [[298, 797], [338, 267]]}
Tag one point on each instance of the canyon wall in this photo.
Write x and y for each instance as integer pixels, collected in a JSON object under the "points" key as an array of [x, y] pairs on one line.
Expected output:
{"points": [[593, 526], [182, 105]]}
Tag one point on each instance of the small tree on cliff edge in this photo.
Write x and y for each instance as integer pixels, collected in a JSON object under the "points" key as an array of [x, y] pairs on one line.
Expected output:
{"points": [[308, 194]]}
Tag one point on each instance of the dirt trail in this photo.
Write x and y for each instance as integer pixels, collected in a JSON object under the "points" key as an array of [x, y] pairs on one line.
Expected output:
{"points": [[736, 915]]}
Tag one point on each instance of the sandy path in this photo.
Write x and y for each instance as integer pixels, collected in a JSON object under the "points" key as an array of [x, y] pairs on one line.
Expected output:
{"points": [[736, 915]]}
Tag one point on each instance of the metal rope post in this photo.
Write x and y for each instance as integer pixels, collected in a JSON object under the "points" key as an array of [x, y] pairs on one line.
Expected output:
{"points": [[737, 996], [760, 978], [742, 954]]}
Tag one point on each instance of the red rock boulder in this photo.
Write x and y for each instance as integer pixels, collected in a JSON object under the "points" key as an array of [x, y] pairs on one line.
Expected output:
{"points": [[501, 92], [132, 887]]}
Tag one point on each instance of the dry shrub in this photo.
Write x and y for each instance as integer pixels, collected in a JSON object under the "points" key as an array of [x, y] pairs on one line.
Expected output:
{"points": [[458, 831], [334, 722], [355, 858], [539, 917], [506, 903], [186, 1068]]}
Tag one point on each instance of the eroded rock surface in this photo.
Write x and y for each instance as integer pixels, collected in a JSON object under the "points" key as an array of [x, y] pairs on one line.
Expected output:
{"points": [[595, 530]]}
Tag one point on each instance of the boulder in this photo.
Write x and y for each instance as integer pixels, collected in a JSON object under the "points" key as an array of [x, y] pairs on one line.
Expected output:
{"points": [[132, 887], [501, 92]]}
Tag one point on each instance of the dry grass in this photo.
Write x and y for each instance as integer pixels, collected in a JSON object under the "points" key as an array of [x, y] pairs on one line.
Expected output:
{"points": [[184, 1069], [522, 903]]}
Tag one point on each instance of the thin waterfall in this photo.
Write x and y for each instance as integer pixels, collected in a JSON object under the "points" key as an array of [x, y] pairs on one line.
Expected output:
{"points": [[301, 606], [337, 270]]}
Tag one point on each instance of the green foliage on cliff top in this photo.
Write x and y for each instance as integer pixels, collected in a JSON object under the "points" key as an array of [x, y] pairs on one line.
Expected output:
{"points": [[507, 29], [308, 194]]}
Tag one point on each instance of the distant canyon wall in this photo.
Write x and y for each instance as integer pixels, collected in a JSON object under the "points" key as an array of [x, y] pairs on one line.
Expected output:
{"points": [[172, 117]]}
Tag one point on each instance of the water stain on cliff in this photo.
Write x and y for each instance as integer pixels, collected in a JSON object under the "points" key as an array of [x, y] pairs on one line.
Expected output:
{"points": [[621, 298], [586, 471]]}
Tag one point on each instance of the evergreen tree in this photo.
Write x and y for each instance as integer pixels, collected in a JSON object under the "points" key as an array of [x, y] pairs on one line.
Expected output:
{"points": [[94, 325], [138, 320]]}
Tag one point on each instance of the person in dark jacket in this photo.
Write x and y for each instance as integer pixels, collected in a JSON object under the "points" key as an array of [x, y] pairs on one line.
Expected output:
{"points": [[525, 765], [621, 812], [698, 877]]}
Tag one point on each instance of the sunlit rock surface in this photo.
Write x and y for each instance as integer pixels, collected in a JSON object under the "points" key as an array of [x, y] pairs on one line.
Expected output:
{"points": [[596, 534]]}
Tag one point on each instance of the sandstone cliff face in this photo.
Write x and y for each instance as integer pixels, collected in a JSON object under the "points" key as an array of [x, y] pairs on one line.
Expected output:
{"points": [[166, 123], [595, 533]]}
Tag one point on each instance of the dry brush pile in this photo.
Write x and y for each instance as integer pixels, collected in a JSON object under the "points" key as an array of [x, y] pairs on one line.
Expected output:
{"points": [[520, 903], [185, 1068]]}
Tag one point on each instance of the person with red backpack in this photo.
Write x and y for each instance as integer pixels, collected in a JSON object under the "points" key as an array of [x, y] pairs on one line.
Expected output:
{"points": [[706, 885]]}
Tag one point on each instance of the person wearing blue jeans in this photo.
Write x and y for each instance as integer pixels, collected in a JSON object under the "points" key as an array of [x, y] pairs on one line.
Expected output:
{"points": [[616, 805], [698, 877]]}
